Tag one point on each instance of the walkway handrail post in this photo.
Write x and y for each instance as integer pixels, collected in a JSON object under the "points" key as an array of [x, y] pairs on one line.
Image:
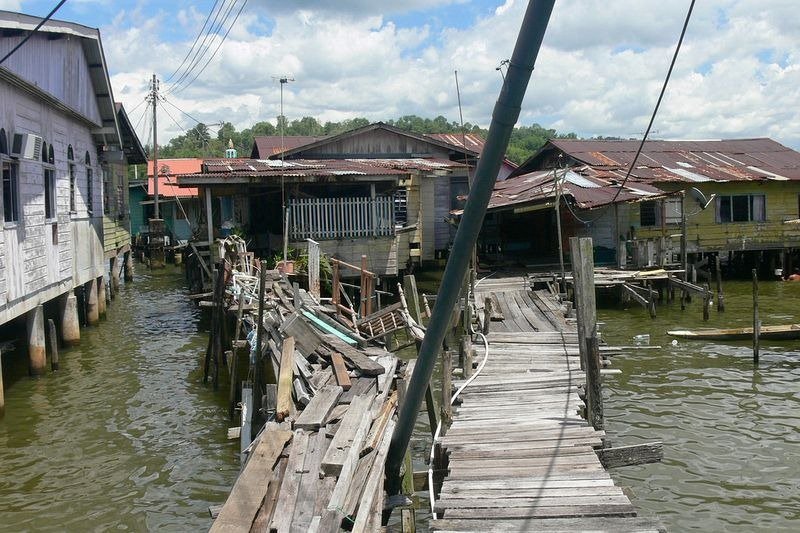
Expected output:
{"points": [[505, 115]]}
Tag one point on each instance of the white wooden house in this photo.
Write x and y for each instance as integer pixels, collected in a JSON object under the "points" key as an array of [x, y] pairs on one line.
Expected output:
{"points": [[60, 140]]}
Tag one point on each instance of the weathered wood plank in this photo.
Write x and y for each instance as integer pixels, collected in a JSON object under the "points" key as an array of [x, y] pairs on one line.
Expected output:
{"points": [[637, 454], [249, 490], [316, 412], [617, 525], [287, 499], [339, 448], [285, 376], [340, 371]]}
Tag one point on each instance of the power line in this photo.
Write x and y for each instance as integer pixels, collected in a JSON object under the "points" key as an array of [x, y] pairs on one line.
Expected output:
{"points": [[25, 40], [197, 38], [136, 106], [216, 50], [184, 112], [649, 124], [173, 120], [198, 55]]}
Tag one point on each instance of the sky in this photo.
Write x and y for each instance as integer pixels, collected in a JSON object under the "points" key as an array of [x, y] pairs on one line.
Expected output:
{"points": [[599, 71]]}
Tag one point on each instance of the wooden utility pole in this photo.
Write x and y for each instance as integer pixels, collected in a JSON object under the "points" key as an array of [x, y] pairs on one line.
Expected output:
{"points": [[156, 223]]}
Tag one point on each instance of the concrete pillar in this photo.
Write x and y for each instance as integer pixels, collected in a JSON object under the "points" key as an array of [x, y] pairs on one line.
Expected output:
{"points": [[101, 296], [70, 323], [92, 308], [114, 277], [37, 357], [128, 262]]}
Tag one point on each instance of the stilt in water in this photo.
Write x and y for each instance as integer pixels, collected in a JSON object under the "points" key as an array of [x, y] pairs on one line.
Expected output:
{"points": [[128, 263], [2, 390], [37, 358], [92, 307], [113, 277], [101, 296], [51, 333], [756, 321], [720, 297], [70, 324]]}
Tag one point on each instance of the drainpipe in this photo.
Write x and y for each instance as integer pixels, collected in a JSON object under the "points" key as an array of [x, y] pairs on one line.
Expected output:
{"points": [[505, 115]]}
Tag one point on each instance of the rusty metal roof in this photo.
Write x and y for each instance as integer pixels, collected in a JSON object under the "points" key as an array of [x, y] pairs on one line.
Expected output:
{"points": [[683, 161], [265, 146], [587, 190]]}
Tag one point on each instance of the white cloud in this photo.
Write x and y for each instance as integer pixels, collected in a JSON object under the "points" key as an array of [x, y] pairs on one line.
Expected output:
{"points": [[11, 5], [599, 72]]}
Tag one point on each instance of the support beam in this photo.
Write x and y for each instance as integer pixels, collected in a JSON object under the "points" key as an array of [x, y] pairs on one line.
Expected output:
{"points": [[128, 262], [53, 338], [101, 296], [209, 220], [114, 276], [92, 308], [37, 358], [70, 323]]}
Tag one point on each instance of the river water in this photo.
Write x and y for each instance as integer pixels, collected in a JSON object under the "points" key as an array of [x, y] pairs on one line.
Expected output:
{"points": [[124, 436], [731, 430]]}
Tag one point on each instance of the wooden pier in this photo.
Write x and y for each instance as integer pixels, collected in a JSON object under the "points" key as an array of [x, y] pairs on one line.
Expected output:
{"points": [[520, 455]]}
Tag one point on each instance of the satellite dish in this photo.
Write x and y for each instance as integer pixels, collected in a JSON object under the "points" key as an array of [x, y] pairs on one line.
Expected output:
{"points": [[700, 198]]}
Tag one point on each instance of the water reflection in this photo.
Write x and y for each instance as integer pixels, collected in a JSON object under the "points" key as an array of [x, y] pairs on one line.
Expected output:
{"points": [[124, 436]]}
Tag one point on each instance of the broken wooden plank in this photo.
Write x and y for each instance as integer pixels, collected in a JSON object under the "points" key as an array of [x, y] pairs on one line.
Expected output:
{"points": [[287, 498], [339, 449], [315, 413], [364, 364], [340, 371], [284, 403], [380, 424], [374, 483], [637, 454], [249, 490]]}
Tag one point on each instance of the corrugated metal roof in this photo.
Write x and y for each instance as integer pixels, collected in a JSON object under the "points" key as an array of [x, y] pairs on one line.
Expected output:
{"points": [[265, 146], [687, 161]]}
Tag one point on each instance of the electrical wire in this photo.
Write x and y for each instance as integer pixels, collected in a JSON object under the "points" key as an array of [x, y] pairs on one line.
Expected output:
{"points": [[41, 23], [137, 106], [224, 37], [650, 123], [197, 55], [197, 38], [173, 120], [184, 112]]}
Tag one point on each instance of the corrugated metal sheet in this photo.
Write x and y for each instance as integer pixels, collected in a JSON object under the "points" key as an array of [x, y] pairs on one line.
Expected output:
{"points": [[265, 146]]}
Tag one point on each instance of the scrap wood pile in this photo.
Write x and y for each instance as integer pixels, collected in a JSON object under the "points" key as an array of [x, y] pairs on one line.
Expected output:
{"points": [[318, 461]]}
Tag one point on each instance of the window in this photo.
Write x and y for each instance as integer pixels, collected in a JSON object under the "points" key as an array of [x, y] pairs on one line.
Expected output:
{"points": [[49, 193], [401, 206], [71, 171], [106, 191], [741, 208], [89, 184], [673, 210], [10, 192], [647, 214], [3, 142]]}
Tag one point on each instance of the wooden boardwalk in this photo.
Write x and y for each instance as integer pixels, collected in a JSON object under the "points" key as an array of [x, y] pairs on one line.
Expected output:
{"points": [[521, 456]]}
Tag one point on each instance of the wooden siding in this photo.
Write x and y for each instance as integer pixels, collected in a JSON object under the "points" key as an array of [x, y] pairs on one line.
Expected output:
{"points": [[336, 218], [375, 143], [441, 188], [704, 234], [57, 66], [381, 252], [427, 219], [40, 259], [116, 209]]}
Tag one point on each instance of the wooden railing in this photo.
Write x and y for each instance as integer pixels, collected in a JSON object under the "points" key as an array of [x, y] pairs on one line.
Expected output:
{"points": [[367, 289], [341, 218]]}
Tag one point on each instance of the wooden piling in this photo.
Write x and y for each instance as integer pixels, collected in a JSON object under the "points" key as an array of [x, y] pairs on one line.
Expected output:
{"points": [[128, 266], [720, 297], [37, 358], [487, 315], [707, 303], [70, 323], [756, 321], [92, 309], [2, 389], [101, 297], [51, 330], [466, 356], [594, 394], [447, 389], [412, 297]]}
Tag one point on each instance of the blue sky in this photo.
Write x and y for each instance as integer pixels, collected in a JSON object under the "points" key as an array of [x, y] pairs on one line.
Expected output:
{"points": [[599, 71]]}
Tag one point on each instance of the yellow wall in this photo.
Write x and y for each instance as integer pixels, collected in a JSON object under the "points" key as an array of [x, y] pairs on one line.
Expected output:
{"points": [[705, 234]]}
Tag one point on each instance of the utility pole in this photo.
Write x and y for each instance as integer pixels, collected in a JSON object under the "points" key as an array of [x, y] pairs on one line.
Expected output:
{"points": [[154, 98], [156, 232], [281, 121]]}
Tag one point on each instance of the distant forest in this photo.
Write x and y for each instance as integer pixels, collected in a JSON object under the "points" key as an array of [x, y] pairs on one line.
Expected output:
{"points": [[198, 141]]}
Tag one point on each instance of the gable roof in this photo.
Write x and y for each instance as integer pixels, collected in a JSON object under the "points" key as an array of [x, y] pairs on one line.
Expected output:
{"points": [[675, 161], [107, 133], [376, 126], [265, 146]]}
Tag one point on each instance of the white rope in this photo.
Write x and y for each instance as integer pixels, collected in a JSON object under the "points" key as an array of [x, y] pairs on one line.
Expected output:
{"points": [[439, 425]]}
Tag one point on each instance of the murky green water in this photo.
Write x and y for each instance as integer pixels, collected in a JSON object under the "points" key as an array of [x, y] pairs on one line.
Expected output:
{"points": [[125, 436], [731, 431]]}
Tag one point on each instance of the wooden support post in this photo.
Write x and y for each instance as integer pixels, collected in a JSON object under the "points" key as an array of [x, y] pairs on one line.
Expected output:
{"points": [[70, 324], [720, 297], [335, 295], [92, 309], [430, 406], [447, 390], [412, 297], [113, 277], [466, 356], [232, 368], [487, 315], [756, 321], [51, 330], [2, 390], [101, 297], [37, 358], [285, 375], [707, 303], [594, 393], [583, 283], [313, 268], [651, 300], [209, 222], [128, 265]]}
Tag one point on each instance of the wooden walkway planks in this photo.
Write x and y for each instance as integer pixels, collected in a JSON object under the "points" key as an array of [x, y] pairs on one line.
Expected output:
{"points": [[521, 456]]}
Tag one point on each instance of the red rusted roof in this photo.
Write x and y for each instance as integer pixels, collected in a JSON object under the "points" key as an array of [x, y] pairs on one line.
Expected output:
{"points": [[169, 169], [470, 141], [265, 146], [686, 161]]}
